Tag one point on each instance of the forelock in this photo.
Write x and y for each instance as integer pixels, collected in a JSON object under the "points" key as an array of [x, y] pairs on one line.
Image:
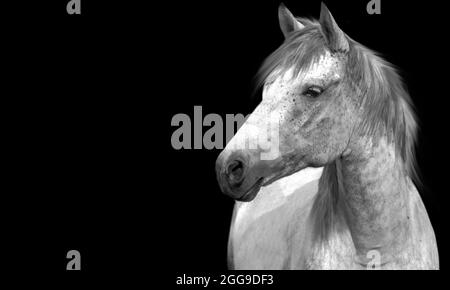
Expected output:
{"points": [[299, 51]]}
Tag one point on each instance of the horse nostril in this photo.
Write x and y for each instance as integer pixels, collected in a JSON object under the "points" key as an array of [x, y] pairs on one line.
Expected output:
{"points": [[235, 171]]}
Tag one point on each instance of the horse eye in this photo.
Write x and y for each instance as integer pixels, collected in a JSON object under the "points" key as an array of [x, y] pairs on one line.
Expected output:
{"points": [[313, 92]]}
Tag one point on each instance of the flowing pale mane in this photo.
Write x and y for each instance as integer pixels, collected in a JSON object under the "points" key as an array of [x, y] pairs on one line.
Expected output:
{"points": [[388, 107]]}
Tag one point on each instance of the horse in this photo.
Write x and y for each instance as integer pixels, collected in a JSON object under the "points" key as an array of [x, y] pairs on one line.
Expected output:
{"points": [[340, 192]]}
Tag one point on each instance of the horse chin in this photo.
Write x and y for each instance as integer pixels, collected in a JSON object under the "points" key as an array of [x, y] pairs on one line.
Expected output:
{"points": [[252, 192]]}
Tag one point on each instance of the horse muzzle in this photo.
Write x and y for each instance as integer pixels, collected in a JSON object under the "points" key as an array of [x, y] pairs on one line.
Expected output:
{"points": [[235, 176]]}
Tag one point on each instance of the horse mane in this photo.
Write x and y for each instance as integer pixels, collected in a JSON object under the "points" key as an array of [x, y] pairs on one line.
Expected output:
{"points": [[387, 104]]}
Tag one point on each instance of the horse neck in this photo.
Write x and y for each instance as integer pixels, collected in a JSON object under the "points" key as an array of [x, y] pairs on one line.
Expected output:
{"points": [[374, 192]]}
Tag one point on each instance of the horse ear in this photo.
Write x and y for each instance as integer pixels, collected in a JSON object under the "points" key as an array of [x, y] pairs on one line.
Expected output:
{"points": [[335, 37], [288, 23]]}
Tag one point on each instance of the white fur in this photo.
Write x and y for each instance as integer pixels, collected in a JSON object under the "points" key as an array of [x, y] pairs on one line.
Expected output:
{"points": [[270, 197], [323, 69]]}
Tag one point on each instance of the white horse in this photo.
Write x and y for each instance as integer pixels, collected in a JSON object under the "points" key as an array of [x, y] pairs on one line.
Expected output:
{"points": [[339, 192]]}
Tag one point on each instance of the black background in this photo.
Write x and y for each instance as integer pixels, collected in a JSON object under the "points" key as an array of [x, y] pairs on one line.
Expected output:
{"points": [[93, 96]]}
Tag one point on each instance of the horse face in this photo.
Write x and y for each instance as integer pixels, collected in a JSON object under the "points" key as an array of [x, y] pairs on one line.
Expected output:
{"points": [[305, 120]]}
